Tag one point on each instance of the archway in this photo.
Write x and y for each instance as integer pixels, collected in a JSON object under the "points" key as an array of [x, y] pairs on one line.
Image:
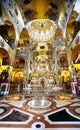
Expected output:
{"points": [[4, 57], [76, 54], [42, 82], [4, 65]]}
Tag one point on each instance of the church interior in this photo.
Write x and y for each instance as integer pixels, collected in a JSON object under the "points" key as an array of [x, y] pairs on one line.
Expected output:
{"points": [[39, 64]]}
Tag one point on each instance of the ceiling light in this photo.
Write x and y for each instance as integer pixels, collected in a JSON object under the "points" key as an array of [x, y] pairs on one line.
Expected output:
{"points": [[41, 33]]}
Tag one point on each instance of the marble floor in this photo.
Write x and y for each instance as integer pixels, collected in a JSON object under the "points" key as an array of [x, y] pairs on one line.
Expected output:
{"points": [[56, 114]]}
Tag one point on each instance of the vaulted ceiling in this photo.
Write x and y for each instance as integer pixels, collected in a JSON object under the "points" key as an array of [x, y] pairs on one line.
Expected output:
{"points": [[33, 9]]}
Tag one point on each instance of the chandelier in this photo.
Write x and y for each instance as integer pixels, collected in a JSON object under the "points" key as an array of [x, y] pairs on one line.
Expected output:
{"points": [[41, 29]]}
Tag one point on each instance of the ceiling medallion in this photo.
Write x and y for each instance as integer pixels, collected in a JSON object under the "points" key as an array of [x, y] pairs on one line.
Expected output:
{"points": [[41, 29], [42, 47]]}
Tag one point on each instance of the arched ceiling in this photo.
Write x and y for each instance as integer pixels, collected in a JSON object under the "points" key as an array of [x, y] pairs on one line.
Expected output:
{"points": [[35, 9], [23, 11]]}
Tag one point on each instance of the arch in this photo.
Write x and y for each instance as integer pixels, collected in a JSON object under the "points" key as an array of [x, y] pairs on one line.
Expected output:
{"points": [[4, 66], [4, 57], [23, 38], [75, 55], [18, 77], [7, 31], [19, 62], [72, 27], [42, 82], [11, 28], [63, 60]]}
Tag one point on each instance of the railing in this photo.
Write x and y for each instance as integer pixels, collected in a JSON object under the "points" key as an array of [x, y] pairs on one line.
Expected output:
{"points": [[4, 89]]}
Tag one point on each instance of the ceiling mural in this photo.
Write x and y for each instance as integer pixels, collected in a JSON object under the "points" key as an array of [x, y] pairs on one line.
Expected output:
{"points": [[13, 13], [24, 11]]}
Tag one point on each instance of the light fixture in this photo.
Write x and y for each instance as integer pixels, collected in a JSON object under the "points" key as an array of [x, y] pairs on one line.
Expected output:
{"points": [[41, 33]]}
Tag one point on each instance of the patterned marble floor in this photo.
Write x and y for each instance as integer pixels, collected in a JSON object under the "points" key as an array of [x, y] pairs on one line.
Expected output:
{"points": [[60, 114]]}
